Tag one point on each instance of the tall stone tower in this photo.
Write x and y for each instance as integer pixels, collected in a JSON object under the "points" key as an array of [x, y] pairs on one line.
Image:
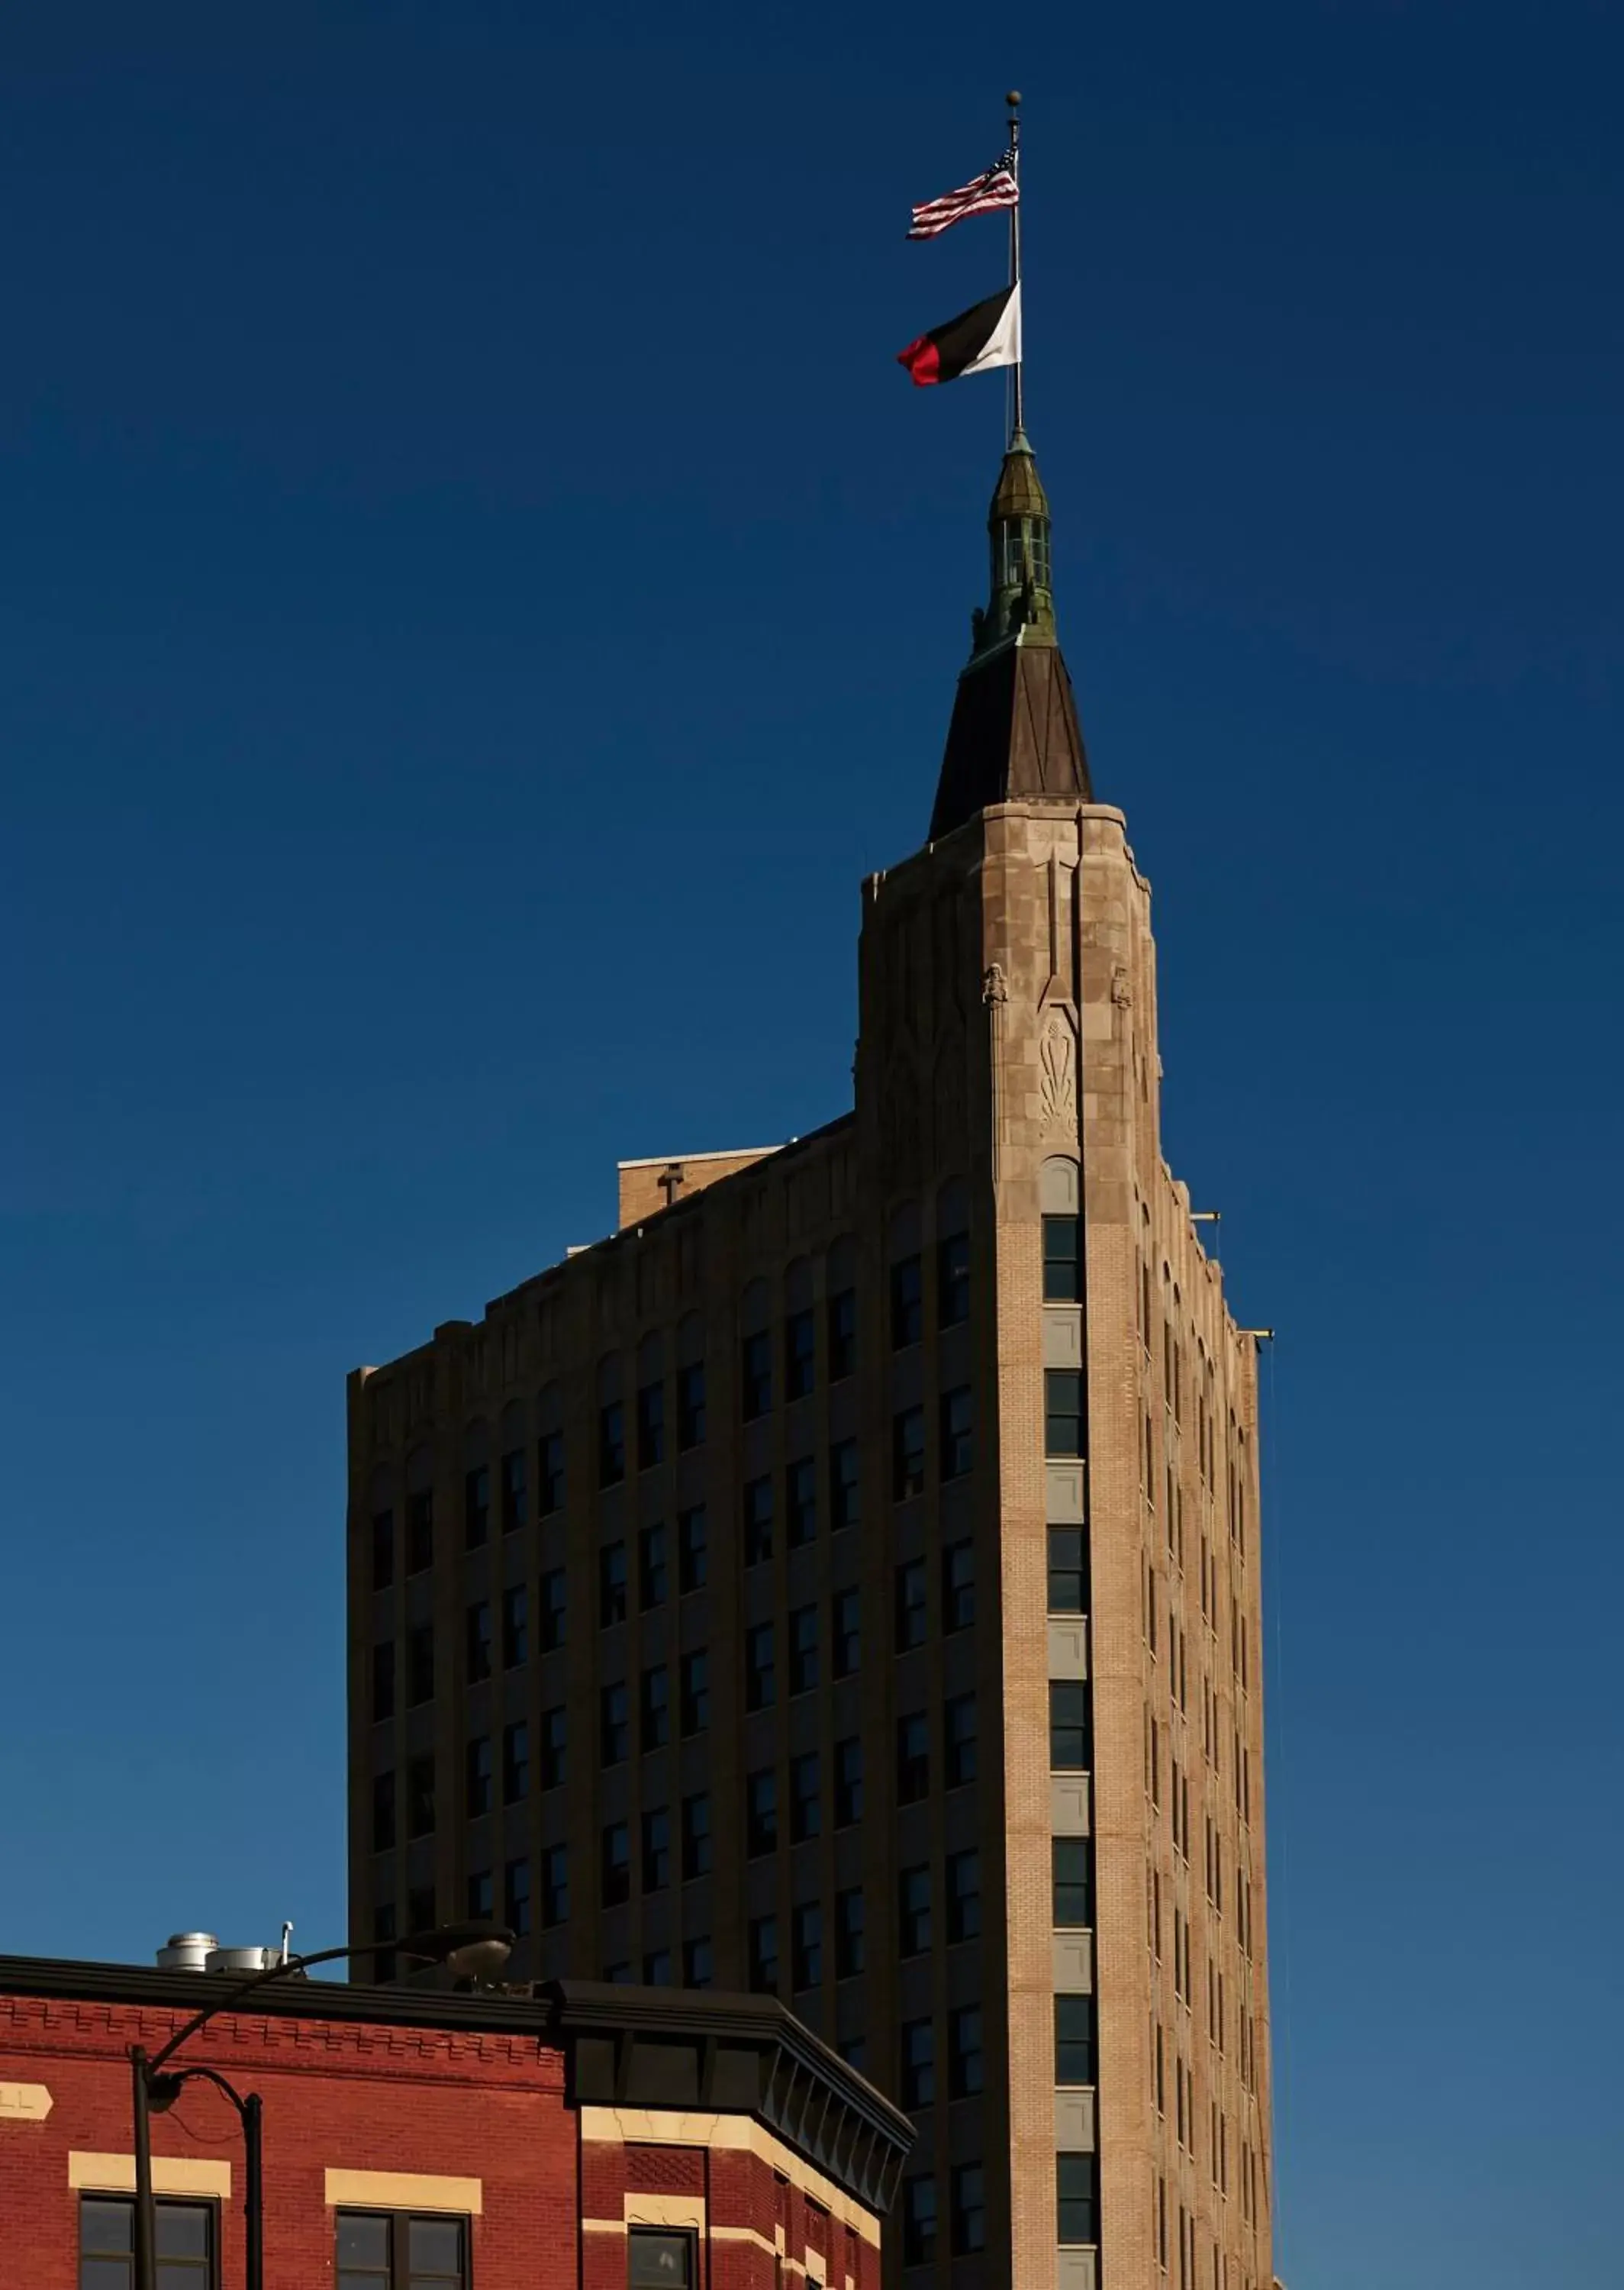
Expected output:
{"points": [[843, 1579]]}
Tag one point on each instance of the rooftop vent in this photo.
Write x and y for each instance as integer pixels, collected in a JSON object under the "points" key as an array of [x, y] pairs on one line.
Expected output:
{"points": [[200, 1952]]}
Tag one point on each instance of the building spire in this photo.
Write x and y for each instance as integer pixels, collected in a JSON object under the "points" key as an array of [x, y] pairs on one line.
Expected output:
{"points": [[1014, 730]]}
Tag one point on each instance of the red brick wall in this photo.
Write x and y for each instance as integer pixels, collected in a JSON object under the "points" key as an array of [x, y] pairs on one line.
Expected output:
{"points": [[337, 2094]]}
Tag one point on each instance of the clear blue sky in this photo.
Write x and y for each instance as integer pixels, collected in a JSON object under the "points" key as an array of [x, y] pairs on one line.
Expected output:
{"points": [[475, 596]]}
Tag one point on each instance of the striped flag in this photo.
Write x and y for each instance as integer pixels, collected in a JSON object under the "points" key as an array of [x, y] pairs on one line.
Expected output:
{"points": [[998, 187]]}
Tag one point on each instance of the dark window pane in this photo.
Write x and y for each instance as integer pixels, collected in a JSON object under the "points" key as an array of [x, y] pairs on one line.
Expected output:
{"points": [[756, 1374], [515, 1499], [1062, 1266], [958, 1586], [908, 1453], [105, 2226], [799, 1361], [1067, 1571], [1073, 1889], [953, 1279], [611, 1445], [1062, 1411], [906, 1303], [691, 1405], [957, 1432], [475, 1507], [843, 1485], [435, 2246], [757, 1521], [1068, 1746], [659, 2261], [843, 1334], [801, 1496], [363, 2239], [651, 1426], [692, 1556]]}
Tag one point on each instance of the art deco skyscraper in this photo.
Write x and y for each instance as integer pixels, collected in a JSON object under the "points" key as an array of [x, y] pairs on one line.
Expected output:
{"points": [[845, 1579]]}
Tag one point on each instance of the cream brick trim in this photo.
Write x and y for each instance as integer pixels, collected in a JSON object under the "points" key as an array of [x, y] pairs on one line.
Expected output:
{"points": [[660, 2127], [404, 2191], [665, 2210], [171, 2174], [24, 2103]]}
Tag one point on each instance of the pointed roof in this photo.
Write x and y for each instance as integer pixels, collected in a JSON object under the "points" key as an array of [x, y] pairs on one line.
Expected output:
{"points": [[1014, 730]]}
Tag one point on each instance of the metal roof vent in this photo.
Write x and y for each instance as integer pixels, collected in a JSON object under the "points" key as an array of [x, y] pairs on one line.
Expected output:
{"points": [[186, 1951]]}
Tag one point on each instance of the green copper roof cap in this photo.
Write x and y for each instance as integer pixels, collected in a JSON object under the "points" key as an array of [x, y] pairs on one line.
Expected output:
{"points": [[1014, 730]]}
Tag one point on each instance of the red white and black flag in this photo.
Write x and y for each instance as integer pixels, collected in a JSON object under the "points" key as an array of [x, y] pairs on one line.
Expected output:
{"points": [[975, 341], [998, 187]]}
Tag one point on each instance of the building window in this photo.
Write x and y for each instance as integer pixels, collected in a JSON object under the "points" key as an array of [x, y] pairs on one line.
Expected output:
{"points": [[476, 1655], [655, 1716], [555, 1744], [757, 1521], [913, 1757], [651, 1426], [184, 2233], [850, 1934], [801, 1493], [657, 2259], [914, 1911], [761, 1812], [755, 1375], [695, 1691], [763, 1954], [969, 2184], [907, 1453], [1067, 1726], [845, 1632], [1073, 2039], [654, 1572], [952, 1280], [615, 1864], [800, 1366], [806, 1807], [692, 1549], [611, 1444], [476, 1508], [613, 1724], [514, 1505], [383, 1549], [806, 1943], [657, 1968], [843, 1334], [420, 1532], [610, 1584], [696, 1837], [420, 1665], [477, 1776], [918, 2221], [383, 1681], [382, 2250], [844, 1504], [1074, 1907], [803, 1649], [966, 2054], [906, 1304], [515, 1762], [1076, 2198], [959, 1738], [549, 1473], [481, 1895], [911, 1617], [419, 1797], [691, 1405], [1062, 1411], [698, 1962], [384, 1962], [848, 1781], [383, 1812], [1062, 1262], [420, 1915], [656, 1849], [964, 1894], [957, 1432], [555, 1884], [760, 1677], [958, 1586], [1068, 1570], [516, 1897], [553, 1616], [918, 2062], [515, 1627]]}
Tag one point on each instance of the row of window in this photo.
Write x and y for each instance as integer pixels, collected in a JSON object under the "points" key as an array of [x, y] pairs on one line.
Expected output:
{"points": [[1076, 2209], [373, 2250], [1067, 1594]]}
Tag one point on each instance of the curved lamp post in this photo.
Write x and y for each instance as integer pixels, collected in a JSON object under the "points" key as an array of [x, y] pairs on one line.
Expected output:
{"points": [[470, 1951]]}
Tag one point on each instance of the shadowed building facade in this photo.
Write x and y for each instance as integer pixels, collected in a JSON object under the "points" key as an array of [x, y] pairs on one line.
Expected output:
{"points": [[843, 1580]]}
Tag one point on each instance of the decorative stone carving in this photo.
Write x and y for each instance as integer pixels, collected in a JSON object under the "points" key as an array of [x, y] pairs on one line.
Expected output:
{"points": [[995, 985], [1058, 1088], [1122, 993]]}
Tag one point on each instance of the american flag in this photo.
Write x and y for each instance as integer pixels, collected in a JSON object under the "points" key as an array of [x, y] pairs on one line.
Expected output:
{"points": [[998, 187]]}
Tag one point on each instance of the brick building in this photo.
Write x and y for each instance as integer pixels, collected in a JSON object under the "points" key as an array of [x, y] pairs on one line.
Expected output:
{"points": [[843, 1579], [426, 2141]]}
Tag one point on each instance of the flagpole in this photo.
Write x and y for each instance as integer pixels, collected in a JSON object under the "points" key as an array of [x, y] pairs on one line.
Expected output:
{"points": [[1014, 100]]}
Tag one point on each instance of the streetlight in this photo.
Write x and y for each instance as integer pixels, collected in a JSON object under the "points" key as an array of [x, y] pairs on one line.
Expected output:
{"points": [[470, 1952]]}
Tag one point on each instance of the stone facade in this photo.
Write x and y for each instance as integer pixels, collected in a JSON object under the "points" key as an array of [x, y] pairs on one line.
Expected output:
{"points": [[1029, 1478]]}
